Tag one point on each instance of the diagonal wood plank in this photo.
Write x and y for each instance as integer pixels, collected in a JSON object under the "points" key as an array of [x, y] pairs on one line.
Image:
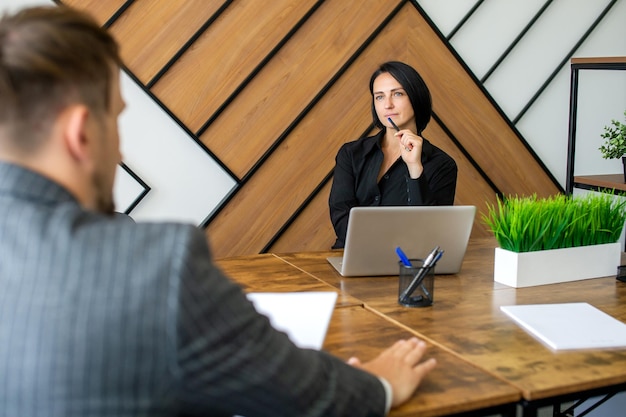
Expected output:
{"points": [[306, 156], [469, 114], [220, 60], [147, 43], [102, 11], [471, 188], [312, 229], [268, 200], [283, 89]]}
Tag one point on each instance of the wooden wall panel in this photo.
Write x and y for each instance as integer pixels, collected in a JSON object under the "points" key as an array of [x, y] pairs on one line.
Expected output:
{"points": [[306, 156], [311, 229], [471, 117], [147, 43], [290, 81], [199, 83], [471, 187], [101, 10], [347, 102], [277, 116]]}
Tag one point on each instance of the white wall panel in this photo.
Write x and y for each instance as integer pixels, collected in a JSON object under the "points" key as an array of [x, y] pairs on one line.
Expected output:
{"points": [[13, 5], [609, 38], [447, 14], [127, 190], [519, 77], [160, 152], [491, 29], [545, 125]]}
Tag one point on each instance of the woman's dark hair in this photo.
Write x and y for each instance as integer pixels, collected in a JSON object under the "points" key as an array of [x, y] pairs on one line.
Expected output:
{"points": [[415, 88]]}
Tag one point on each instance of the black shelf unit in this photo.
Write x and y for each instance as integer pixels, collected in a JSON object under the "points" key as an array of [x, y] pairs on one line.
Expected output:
{"points": [[589, 182]]}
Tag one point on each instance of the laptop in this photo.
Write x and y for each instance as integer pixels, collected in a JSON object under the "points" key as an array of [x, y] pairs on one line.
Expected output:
{"points": [[374, 233]]}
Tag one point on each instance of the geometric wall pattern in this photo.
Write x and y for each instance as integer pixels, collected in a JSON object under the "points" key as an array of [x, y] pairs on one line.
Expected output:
{"points": [[266, 93]]}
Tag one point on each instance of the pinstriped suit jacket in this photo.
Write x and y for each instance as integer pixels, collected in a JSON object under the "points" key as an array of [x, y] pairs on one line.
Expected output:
{"points": [[101, 317]]}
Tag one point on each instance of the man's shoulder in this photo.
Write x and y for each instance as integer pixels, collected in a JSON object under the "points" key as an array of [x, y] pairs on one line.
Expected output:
{"points": [[121, 229], [156, 229]]}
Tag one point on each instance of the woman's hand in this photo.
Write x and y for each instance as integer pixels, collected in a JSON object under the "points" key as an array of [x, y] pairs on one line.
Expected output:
{"points": [[411, 151]]}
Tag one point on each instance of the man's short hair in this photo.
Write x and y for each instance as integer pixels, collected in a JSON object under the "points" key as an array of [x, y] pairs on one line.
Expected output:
{"points": [[51, 57]]}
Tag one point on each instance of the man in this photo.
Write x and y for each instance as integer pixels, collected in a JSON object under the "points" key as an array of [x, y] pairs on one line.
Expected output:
{"points": [[103, 317]]}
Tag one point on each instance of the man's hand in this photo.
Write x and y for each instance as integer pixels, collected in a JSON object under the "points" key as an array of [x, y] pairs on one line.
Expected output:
{"points": [[400, 366]]}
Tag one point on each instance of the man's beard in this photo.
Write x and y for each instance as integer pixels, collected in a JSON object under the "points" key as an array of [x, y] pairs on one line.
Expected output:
{"points": [[104, 196]]}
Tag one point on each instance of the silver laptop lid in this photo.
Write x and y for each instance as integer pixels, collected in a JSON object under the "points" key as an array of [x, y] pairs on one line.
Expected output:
{"points": [[374, 233]]}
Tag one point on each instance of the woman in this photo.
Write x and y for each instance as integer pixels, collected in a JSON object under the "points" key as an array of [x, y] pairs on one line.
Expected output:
{"points": [[397, 166]]}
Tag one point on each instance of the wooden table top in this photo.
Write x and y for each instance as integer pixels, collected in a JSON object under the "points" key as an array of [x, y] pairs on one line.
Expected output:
{"points": [[466, 319], [455, 386], [268, 273]]}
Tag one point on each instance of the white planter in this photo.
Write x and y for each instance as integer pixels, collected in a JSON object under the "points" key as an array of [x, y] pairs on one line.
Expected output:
{"points": [[528, 269]]}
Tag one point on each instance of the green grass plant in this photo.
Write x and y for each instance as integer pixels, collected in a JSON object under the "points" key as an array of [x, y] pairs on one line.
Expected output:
{"points": [[526, 224]]}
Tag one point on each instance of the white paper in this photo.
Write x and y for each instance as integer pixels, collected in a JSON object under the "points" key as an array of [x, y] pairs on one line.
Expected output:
{"points": [[569, 325], [304, 316]]}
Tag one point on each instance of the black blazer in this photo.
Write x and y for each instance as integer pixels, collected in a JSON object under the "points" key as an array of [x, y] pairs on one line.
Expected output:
{"points": [[355, 181]]}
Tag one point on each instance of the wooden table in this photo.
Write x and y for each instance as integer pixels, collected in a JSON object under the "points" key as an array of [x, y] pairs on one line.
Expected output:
{"points": [[466, 319], [269, 273], [455, 387]]}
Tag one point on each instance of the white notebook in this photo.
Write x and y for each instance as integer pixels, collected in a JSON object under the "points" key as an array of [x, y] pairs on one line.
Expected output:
{"points": [[569, 325], [304, 316]]}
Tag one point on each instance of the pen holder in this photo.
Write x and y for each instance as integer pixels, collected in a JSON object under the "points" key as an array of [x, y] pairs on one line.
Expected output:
{"points": [[423, 283]]}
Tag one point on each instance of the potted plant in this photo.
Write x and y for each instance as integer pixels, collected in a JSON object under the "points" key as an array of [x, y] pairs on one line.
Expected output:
{"points": [[615, 142], [556, 239]]}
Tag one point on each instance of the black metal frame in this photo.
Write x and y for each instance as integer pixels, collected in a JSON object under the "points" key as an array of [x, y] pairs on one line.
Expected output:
{"points": [[531, 408], [573, 108], [504, 410], [141, 182]]}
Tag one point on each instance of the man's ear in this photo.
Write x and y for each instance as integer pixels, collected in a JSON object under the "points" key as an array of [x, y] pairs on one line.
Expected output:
{"points": [[75, 132]]}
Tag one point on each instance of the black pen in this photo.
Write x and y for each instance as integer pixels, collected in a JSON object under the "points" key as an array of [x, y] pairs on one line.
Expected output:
{"points": [[420, 275], [395, 126], [431, 256], [432, 265]]}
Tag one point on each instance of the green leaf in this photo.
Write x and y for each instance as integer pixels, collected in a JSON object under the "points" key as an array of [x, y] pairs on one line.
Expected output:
{"points": [[524, 224]]}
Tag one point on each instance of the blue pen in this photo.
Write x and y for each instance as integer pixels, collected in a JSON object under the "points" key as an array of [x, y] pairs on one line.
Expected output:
{"points": [[403, 257], [395, 126]]}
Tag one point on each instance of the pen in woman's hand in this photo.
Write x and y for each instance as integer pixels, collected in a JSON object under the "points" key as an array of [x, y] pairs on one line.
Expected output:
{"points": [[395, 126]]}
